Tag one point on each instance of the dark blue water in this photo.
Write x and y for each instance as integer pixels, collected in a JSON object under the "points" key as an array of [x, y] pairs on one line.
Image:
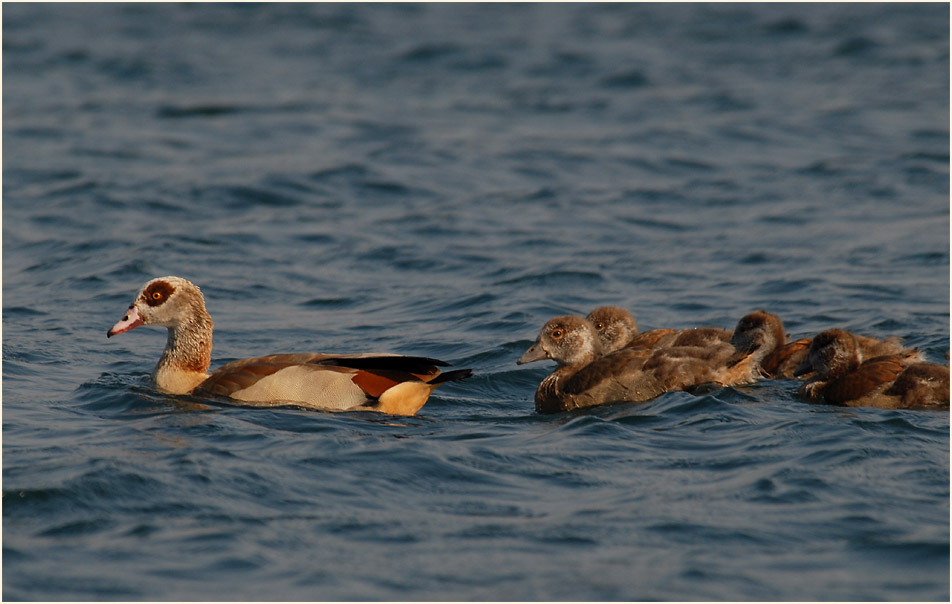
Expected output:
{"points": [[441, 180]]}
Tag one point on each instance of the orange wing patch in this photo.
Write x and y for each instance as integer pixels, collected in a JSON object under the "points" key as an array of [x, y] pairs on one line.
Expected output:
{"points": [[373, 384]]}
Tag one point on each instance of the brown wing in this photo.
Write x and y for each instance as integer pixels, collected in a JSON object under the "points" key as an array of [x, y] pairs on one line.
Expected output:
{"points": [[652, 338], [241, 374], [739, 369], [373, 373], [702, 336], [611, 365], [677, 371], [781, 363], [869, 376], [613, 378]]}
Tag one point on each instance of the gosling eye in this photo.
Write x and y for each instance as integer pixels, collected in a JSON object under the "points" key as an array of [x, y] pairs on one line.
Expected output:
{"points": [[557, 334], [599, 325]]}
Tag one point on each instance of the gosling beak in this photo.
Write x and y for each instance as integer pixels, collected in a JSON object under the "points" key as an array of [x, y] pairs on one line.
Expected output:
{"points": [[535, 353], [803, 368]]}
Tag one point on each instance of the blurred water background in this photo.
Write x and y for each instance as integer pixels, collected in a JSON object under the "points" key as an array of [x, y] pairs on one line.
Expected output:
{"points": [[441, 179]]}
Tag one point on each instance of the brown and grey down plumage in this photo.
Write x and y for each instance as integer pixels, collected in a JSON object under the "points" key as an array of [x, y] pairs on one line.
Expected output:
{"points": [[617, 329], [584, 376], [841, 376]]}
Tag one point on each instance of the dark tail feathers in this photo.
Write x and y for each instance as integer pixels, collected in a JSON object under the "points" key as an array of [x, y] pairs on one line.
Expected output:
{"points": [[452, 376]]}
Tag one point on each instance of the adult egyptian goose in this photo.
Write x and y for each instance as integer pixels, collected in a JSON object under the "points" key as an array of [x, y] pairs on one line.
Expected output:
{"points": [[387, 383], [584, 376], [841, 376]]}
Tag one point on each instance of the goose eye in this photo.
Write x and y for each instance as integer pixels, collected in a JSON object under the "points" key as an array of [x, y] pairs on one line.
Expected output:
{"points": [[157, 293]]}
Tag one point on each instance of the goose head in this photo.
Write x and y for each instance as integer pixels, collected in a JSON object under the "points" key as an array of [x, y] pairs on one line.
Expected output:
{"points": [[832, 353], [178, 305], [758, 333], [163, 302], [568, 340], [614, 326]]}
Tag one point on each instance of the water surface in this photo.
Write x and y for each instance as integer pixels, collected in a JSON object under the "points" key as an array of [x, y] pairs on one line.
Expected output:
{"points": [[441, 180]]}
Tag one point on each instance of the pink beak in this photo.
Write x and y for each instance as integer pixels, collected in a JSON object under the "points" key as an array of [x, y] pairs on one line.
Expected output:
{"points": [[128, 322]]}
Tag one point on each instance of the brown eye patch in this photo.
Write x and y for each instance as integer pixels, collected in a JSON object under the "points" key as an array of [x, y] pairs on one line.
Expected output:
{"points": [[157, 293]]}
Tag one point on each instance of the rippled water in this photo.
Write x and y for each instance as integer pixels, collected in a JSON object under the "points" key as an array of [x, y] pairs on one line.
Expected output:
{"points": [[440, 180]]}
